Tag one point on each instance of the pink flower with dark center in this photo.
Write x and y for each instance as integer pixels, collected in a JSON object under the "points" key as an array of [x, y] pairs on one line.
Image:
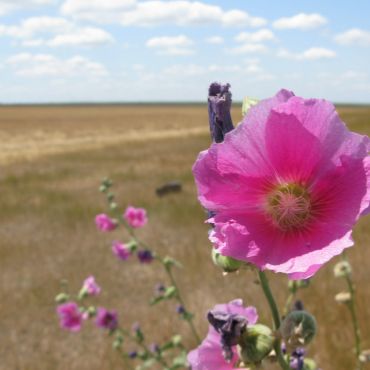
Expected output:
{"points": [[90, 286], [121, 251], [210, 354], [135, 217], [286, 187], [70, 316], [106, 319], [104, 223]]}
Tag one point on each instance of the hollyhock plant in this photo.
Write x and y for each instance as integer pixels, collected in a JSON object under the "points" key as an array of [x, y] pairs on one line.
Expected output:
{"points": [[121, 251], [70, 316], [104, 223], [106, 319], [90, 286], [285, 188], [135, 217], [210, 355]]}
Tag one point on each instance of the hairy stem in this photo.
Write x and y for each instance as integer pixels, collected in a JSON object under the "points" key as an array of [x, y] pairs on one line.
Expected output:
{"points": [[352, 309], [181, 301], [275, 316]]}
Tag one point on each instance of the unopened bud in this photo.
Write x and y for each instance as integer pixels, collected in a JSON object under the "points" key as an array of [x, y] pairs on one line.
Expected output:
{"points": [[61, 298], [342, 269], [298, 328], [113, 206], [365, 356], [343, 297], [309, 364], [247, 104], [255, 343], [228, 264]]}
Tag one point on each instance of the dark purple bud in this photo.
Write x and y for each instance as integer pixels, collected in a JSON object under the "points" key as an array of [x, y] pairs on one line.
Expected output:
{"points": [[219, 106], [160, 288], [230, 327], [180, 309], [132, 354], [296, 363], [298, 306], [145, 256]]}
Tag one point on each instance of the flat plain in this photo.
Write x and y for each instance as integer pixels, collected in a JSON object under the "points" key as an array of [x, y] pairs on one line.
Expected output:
{"points": [[52, 159]]}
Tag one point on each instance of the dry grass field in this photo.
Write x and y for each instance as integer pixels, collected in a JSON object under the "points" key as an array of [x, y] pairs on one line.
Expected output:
{"points": [[52, 160]]}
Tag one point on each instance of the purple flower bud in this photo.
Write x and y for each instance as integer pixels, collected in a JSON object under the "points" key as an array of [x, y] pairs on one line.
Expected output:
{"points": [[136, 327], [154, 348], [159, 289], [132, 354], [219, 106], [145, 256], [230, 327], [180, 309], [106, 319]]}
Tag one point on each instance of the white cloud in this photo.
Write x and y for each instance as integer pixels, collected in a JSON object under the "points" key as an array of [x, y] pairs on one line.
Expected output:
{"points": [[36, 31], [7, 6], [301, 21], [33, 65], [184, 70], [87, 36], [354, 36], [255, 37], [309, 54], [97, 10], [171, 45], [158, 12], [249, 48], [215, 40]]}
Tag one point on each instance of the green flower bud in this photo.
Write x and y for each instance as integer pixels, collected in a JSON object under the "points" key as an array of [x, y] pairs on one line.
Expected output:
{"points": [[255, 344], [343, 297], [62, 298], [309, 364], [113, 206], [342, 269], [298, 328], [91, 311], [247, 104], [103, 188], [228, 264], [365, 356]]}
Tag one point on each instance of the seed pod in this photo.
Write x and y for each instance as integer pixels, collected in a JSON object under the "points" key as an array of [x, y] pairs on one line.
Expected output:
{"points": [[298, 328], [255, 344], [228, 264]]}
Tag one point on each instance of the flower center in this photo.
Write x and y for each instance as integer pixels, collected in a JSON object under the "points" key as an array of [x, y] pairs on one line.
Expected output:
{"points": [[289, 206]]}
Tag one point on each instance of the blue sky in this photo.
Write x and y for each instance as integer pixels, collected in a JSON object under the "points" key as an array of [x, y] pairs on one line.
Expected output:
{"points": [[164, 50]]}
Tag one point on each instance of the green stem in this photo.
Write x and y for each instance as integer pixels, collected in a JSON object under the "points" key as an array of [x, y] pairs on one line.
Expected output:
{"points": [[181, 301], [142, 344], [352, 309], [276, 318], [168, 270]]}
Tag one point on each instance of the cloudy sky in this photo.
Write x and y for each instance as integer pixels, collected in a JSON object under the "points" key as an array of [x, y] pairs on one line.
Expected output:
{"points": [[170, 50]]}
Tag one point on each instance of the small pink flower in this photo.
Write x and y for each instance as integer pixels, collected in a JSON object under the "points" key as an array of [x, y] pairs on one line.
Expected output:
{"points": [[70, 316], [90, 286], [106, 319], [286, 187], [105, 223], [209, 355], [121, 251], [135, 217]]}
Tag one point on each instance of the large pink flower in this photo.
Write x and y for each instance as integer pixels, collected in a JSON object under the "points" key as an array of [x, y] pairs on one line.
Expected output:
{"points": [[286, 186], [209, 355]]}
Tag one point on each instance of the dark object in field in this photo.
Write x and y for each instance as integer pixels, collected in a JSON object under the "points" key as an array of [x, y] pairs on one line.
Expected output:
{"points": [[169, 187]]}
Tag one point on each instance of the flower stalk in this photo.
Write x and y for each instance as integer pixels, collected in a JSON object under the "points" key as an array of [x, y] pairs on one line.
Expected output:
{"points": [[352, 308], [275, 316]]}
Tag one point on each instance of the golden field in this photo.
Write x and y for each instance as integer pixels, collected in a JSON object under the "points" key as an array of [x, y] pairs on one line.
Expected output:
{"points": [[52, 160]]}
